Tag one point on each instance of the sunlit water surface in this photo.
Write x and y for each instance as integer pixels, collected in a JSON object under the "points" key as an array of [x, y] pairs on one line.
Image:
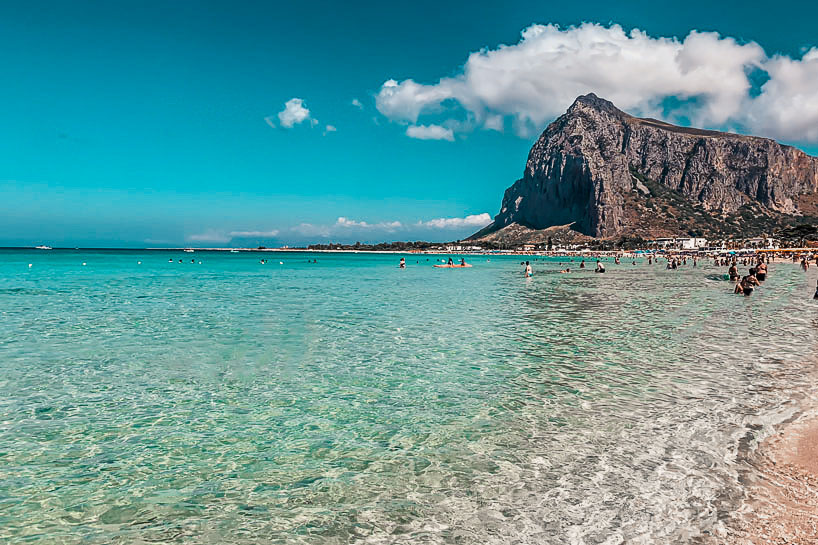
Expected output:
{"points": [[349, 401]]}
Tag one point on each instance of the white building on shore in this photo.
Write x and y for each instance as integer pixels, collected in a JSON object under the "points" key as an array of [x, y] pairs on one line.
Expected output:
{"points": [[683, 243]]}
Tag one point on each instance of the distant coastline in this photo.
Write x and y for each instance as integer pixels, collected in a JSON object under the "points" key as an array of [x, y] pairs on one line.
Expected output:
{"points": [[447, 251]]}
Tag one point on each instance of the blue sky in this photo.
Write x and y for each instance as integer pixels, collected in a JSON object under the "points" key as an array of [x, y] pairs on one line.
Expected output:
{"points": [[143, 123]]}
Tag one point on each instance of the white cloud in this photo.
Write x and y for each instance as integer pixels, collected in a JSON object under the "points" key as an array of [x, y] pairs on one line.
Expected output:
{"points": [[536, 79], [357, 103], [405, 100], [475, 220], [787, 107], [350, 229], [494, 123], [210, 235], [254, 234], [429, 132], [346, 228], [388, 226], [215, 235], [329, 128], [311, 230], [294, 113]]}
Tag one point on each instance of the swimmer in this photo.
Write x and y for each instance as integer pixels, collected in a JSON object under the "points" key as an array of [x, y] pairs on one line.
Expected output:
{"points": [[600, 268], [747, 284], [567, 270], [581, 265], [402, 263], [528, 272], [761, 271], [733, 272]]}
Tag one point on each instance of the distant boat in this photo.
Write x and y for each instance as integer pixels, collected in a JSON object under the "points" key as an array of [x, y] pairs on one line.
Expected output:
{"points": [[234, 251], [188, 250], [43, 247]]}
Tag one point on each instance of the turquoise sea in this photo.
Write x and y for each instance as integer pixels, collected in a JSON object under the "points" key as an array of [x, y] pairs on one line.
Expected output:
{"points": [[349, 401]]}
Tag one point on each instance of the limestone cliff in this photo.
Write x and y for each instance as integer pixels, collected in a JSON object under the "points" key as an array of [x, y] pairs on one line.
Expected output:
{"points": [[610, 174]]}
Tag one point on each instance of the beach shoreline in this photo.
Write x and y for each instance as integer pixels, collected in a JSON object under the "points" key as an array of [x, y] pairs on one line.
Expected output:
{"points": [[781, 489], [780, 483]]}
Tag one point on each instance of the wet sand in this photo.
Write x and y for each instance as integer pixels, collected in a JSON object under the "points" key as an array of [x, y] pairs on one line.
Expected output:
{"points": [[782, 495]]}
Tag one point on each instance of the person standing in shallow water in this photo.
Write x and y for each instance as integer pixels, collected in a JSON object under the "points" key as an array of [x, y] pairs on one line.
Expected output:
{"points": [[748, 284], [761, 271], [402, 263], [528, 272]]}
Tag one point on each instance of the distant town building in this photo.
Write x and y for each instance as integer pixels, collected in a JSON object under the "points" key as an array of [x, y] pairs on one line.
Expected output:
{"points": [[677, 243], [761, 242]]}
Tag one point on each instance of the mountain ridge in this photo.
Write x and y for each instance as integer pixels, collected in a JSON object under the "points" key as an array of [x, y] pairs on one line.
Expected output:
{"points": [[608, 173]]}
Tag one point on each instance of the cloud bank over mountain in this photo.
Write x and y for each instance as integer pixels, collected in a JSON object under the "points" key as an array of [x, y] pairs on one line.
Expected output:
{"points": [[704, 79]]}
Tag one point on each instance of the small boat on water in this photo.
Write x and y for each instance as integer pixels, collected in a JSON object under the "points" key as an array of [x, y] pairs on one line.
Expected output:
{"points": [[188, 250], [455, 266], [43, 247], [234, 251]]}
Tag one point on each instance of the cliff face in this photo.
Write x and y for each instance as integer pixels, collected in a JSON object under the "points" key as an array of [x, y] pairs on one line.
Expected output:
{"points": [[610, 174]]}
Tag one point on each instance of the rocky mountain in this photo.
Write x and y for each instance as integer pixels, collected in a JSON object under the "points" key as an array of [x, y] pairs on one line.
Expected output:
{"points": [[609, 174]]}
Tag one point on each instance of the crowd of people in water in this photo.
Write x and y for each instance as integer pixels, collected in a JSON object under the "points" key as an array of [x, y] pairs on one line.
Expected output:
{"points": [[757, 273]]}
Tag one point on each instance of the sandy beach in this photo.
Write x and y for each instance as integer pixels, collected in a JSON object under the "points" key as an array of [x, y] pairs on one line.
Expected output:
{"points": [[782, 493]]}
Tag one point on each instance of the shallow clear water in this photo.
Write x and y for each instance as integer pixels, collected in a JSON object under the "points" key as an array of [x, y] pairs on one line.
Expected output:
{"points": [[349, 401]]}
